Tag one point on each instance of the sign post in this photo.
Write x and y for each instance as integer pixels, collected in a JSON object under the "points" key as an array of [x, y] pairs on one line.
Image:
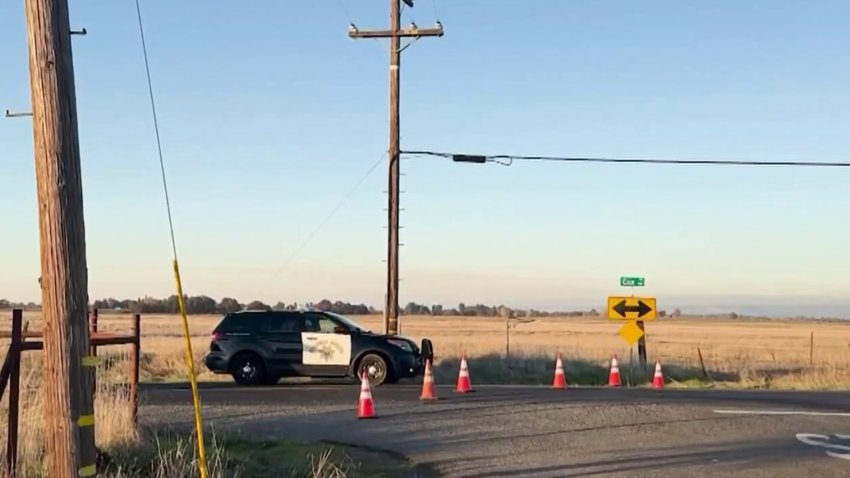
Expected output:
{"points": [[635, 310]]}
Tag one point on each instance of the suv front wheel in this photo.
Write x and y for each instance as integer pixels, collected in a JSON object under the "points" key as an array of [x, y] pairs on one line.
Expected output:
{"points": [[377, 370], [248, 368]]}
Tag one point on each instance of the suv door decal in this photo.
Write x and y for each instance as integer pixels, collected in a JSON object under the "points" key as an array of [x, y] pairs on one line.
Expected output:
{"points": [[325, 349], [323, 342]]}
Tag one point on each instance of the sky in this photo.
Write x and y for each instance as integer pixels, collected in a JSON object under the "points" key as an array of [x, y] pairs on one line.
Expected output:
{"points": [[274, 131]]}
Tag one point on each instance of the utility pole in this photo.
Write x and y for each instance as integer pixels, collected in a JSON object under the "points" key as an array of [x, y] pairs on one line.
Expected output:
{"points": [[68, 408], [395, 34]]}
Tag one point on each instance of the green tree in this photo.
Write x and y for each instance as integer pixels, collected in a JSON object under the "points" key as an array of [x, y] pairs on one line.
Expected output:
{"points": [[257, 305]]}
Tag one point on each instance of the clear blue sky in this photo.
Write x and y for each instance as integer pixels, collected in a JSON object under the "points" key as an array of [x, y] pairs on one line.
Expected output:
{"points": [[270, 115]]}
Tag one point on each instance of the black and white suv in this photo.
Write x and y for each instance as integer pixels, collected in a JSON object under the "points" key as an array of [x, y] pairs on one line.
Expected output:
{"points": [[260, 347]]}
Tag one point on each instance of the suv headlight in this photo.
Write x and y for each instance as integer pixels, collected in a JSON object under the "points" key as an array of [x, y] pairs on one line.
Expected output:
{"points": [[402, 344]]}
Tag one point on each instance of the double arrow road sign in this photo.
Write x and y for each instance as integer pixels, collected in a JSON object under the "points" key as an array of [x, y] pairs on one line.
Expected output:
{"points": [[631, 308]]}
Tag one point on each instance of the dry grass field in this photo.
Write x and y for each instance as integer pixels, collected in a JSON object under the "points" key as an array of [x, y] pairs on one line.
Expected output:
{"points": [[737, 353], [741, 352]]}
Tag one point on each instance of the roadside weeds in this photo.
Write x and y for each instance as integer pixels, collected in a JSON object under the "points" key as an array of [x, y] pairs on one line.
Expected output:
{"points": [[539, 369]]}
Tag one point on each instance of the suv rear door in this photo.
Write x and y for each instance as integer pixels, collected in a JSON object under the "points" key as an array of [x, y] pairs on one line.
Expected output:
{"points": [[281, 338]]}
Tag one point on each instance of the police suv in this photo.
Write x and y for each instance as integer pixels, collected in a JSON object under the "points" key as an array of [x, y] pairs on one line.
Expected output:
{"points": [[260, 347]]}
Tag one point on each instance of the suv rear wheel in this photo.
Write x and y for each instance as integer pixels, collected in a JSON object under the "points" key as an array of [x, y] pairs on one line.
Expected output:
{"points": [[248, 368], [376, 369]]}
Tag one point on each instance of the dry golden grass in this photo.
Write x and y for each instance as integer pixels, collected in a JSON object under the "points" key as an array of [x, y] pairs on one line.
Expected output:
{"points": [[741, 352], [748, 352], [112, 416]]}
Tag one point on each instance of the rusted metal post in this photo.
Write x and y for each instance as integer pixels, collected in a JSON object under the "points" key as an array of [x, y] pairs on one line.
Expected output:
{"points": [[7, 364], [4, 374], [135, 353], [14, 393], [507, 338], [93, 346], [702, 364], [812, 349]]}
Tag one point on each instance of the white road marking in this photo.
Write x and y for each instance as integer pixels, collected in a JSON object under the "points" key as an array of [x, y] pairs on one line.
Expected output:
{"points": [[814, 439], [783, 412]]}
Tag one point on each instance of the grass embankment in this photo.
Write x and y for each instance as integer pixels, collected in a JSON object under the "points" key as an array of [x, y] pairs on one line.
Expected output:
{"points": [[170, 455]]}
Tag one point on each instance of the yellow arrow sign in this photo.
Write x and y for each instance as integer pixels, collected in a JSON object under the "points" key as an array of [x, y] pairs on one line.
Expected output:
{"points": [[632, 308], [630, 332]]}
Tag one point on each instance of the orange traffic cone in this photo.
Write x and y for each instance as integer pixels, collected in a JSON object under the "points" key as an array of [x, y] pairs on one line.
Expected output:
{"points": [[614, 376], [428, 392], [560, 381], [365, 407], [658, 379], [464, 385]]}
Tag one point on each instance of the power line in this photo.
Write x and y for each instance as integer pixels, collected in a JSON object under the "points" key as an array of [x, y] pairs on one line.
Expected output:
{"points": [[327, 218], [508, 159], [156, 128], [345, 11], [436, 12]]}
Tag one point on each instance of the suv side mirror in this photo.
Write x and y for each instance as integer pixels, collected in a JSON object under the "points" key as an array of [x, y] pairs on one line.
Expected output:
{"points": [[427, 350]]}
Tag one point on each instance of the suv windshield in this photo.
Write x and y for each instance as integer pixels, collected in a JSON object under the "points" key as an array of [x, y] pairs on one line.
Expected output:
{"points": [[350, 323]]}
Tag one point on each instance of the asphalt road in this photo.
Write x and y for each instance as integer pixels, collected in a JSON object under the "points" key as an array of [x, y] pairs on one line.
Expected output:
{"points": [[506, 431]]}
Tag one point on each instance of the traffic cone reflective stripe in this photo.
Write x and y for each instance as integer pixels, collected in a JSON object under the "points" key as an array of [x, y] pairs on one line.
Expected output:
{"points": [[658, 379], [560, 381], [365, 407], [428, 392], [464, 385], [614, 376]]}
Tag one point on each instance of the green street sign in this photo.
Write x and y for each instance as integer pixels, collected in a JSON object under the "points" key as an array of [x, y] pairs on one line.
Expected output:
{"points": [[632, 281]]}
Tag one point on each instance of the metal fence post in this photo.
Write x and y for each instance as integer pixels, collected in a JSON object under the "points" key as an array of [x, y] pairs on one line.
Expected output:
{"points": [[135, 357], [14, 393]]}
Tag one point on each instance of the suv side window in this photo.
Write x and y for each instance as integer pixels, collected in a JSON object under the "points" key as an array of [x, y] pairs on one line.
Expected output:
{"points": [[319, 323], [283, 324], [243, 324]]}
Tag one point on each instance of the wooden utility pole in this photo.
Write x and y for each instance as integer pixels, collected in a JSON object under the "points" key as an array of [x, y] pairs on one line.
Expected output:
{"points": [[395, 34], [68, 408]]}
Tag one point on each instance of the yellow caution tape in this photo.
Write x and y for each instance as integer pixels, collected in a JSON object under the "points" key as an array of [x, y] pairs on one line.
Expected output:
{"points": [[196, 399], [90, 470], [92, 361], [85, 420]]}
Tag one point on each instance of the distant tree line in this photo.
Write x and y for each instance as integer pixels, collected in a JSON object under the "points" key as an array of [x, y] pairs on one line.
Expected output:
{"points": [[6, 304], [483, 310], [202, 304]]}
